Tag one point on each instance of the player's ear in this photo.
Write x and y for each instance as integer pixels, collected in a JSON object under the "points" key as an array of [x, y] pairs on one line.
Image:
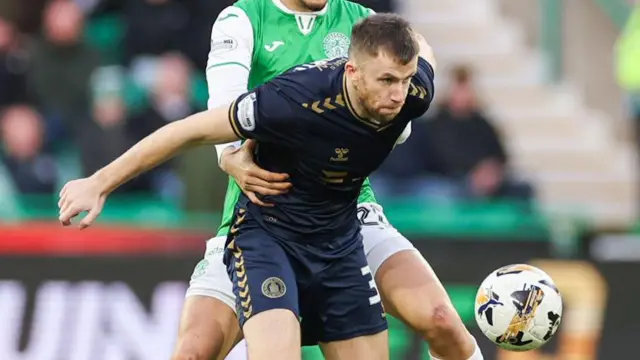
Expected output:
{"points": [[350, 68]]}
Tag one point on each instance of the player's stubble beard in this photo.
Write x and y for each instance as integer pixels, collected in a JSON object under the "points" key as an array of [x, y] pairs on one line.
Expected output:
{"points": [[363, 97], [312, 5]]}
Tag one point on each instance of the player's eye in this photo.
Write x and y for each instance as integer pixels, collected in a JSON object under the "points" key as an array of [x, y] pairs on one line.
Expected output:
{"points": [[387, 81]]}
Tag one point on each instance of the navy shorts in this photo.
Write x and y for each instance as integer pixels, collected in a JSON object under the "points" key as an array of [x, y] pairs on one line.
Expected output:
{"points": [[335, 299]]}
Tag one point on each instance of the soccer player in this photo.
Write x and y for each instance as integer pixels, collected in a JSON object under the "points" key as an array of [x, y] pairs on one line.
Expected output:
{"points": [[252, 42], [298, 268]]}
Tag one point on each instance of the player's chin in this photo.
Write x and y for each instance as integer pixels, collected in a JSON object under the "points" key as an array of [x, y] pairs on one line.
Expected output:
{"points": [[315, 5], [388, 113]]}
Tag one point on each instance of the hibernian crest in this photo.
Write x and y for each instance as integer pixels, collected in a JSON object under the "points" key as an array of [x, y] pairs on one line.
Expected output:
{"points": [[336, 45], [201, 269]]}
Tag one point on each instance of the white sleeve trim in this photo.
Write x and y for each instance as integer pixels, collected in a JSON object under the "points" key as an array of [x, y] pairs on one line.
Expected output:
{"points": [[230, 56], [229, 61], [405, 134]]}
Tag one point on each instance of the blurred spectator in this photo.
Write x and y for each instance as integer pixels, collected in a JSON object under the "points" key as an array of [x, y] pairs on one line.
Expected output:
{"points": [[170, 96], [202, 15], [62, 68], [627, 69], [467, 151], [154, 28], [32, 170], [170, 101], [453, 156], [628, 58], [628, 54], [105, 138], [25, 14], [14, 62]]}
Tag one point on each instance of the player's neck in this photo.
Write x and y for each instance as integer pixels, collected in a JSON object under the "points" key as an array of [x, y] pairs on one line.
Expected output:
{"points": [[355, 102], [295, 6]]}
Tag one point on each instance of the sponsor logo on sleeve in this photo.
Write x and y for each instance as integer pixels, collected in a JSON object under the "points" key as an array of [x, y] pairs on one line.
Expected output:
{"points": [[223, 44], [246, 116]]}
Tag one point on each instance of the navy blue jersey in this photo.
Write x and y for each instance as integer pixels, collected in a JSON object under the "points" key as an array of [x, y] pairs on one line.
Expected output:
{"points": [[306, 127]]}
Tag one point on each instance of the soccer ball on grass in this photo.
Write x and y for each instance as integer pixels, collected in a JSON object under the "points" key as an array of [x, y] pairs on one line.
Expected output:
{"points": [[518, 307]]}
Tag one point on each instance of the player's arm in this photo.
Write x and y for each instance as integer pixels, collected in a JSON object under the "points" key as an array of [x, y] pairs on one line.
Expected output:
{"points": [[89, 194], [265, 120], [426, 52], [211, 126], [228, 67], [229, 62], [268, 115], [262, 115]]}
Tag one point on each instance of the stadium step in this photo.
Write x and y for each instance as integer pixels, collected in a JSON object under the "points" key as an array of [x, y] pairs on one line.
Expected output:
{"points": [[546, 127], [578, 160]]}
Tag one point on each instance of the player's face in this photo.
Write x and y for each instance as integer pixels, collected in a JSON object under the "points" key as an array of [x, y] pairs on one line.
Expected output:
{"points": [[382, 85], [314, 5]]}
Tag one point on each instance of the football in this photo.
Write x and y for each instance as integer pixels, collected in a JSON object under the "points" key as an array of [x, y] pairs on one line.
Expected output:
{"points": [[518, 307]]}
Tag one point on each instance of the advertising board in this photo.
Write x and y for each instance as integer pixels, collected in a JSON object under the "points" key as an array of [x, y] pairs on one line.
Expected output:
{"points": [[59, 305]]}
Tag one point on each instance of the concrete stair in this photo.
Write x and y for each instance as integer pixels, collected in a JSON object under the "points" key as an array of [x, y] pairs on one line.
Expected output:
{"points": [[565, 148]]}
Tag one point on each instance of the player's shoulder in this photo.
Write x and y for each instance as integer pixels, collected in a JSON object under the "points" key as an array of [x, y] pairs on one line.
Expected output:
{"points": [[312, 81], [253, 8], [352, 8], [231, 12], [245, 4], [232, 18], [424, 79], [287, 98], [231, 29], [321, 73], [421, 90]]}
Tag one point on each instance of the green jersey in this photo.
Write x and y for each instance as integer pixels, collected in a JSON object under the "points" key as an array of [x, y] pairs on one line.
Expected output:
{"points": [[258, 40]]}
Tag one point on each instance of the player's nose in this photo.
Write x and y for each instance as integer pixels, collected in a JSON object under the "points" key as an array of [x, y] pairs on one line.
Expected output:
{"points": [[398, 93], [397, 96]]}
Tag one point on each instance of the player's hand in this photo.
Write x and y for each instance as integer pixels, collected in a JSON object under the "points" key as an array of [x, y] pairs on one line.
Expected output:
{"points": [[78, 196], [250, 177]]}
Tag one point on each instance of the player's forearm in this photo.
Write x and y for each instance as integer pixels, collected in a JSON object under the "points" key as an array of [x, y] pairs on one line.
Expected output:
{"points": [[206, 127], [150, 152]]}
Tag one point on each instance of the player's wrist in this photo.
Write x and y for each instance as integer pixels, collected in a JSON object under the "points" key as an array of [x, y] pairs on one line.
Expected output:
{"points": [[103, 182], [224, 158]]}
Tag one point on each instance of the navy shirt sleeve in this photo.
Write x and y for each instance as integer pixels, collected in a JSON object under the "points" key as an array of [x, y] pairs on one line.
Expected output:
{"points": [[266, 115], [421, 89]]}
